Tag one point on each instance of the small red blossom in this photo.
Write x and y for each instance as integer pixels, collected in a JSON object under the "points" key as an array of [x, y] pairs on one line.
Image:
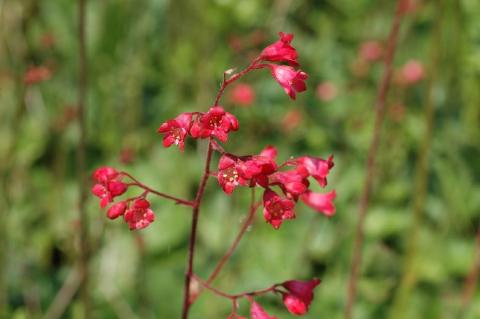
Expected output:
{"points": [[281, 51], [215, 123], [318, 168], [104, 174], [257, 312], [293, 183], [108, 185], [276, 209], [322, 203], [176, 130], [411, 73], [139, 215], [228, 174], [117, 210], [300, 295], [37, 74], [291, 80], [242, 94], [257, 168], [371, 51], [326, 91]]}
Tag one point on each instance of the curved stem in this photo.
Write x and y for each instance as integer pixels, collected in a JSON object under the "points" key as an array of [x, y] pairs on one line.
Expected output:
{"points": [[160, 194], [372, 154], [193, 232]]}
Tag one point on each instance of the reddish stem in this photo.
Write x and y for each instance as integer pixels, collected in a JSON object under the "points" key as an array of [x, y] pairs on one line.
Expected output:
{"points": [[472, 278], [150, 190], [364, 199], [193, 232], [226, 82]]}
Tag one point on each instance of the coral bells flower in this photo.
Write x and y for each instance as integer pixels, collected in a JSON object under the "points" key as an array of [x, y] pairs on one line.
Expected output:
{"points": [[291, 80], [228, 174], [371, 51], [318, 168], [281, 51], [139, 215], [257, 312], [108, 185], [276, 209], [322, 203], [299, 296], [215, 123], [117, 210], [242, 94], [411, 73], [37, 74], [293, 183], [176, 130]]}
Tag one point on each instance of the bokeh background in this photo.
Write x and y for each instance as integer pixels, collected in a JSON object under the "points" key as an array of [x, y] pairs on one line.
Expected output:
{"points": [[150, 60]]}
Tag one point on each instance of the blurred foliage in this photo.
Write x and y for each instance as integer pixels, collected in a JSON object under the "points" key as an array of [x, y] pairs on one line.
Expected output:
{"points": [[150, 60]]}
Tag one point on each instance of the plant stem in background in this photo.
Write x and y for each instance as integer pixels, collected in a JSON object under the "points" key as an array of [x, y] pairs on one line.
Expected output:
{"points": [[409, 276], [81, 156], [472, 279], [370, 166], [193, 232]]}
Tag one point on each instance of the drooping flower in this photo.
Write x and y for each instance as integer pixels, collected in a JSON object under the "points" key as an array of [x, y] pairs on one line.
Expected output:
{"points": [[117, 210], [293, 183], [277, 209], [139, 215], [242, 94], [257, 312], [176, 130], [281, 51], [322, 203], [228, 174], [104, 174], [317, 167], [291, 80], [300, 295], [215, 123], [108, 185]]}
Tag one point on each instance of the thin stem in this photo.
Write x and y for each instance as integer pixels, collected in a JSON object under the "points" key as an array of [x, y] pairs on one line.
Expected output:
{"points": [[160, 194], [472, 278], [370, 166], [81, 155], [193, 232], [236, 296], [226, 82]]}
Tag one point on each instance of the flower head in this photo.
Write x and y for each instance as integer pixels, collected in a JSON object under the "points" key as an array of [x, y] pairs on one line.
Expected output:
{"points": [[281, 51], [291, 80], [257, 312], [322, 203], [176, 130], [317, 167], [228, 173], [117, 210], [411, 72], [293, 183], [371, 51], [276, 209], [139, 215], [104, 174], [215, 123], [299, 296], [108, 185]]}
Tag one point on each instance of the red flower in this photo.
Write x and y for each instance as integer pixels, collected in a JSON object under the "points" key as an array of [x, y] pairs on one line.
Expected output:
{"points": [[320, 202], [242, 94], [176, 130], [291, 80], [108, 186], [139, 215], [257, 312], [117, 210], [37, 74], [228, 174], [326, 91], [411, 73], [276, 209], [281, 51], [371, 51], [293, 183], [318, 168], [300, 295], [216, 123]]}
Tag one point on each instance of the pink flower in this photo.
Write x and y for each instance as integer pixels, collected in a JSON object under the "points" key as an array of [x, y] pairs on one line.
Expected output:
{"points": [[412, 72], [269, 152], [228, 174], [242, 94], [291, 80], [257, 312], [257, 168], [281, 51], [176, 130], [139, 215], [318, 168], [37, 74], [326, 91], [215, 123], [300, 295], [104, 174], [293, 182], [276, 209], [371, 51], [117, 210], [322, 203], [108, 185]]}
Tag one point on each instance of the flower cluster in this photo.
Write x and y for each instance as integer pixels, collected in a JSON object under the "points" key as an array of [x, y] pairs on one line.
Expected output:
{"points": [[262, 170]]}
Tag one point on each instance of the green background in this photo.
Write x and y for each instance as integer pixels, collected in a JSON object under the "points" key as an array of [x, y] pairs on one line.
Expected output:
{"points": [[153, 59]]}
